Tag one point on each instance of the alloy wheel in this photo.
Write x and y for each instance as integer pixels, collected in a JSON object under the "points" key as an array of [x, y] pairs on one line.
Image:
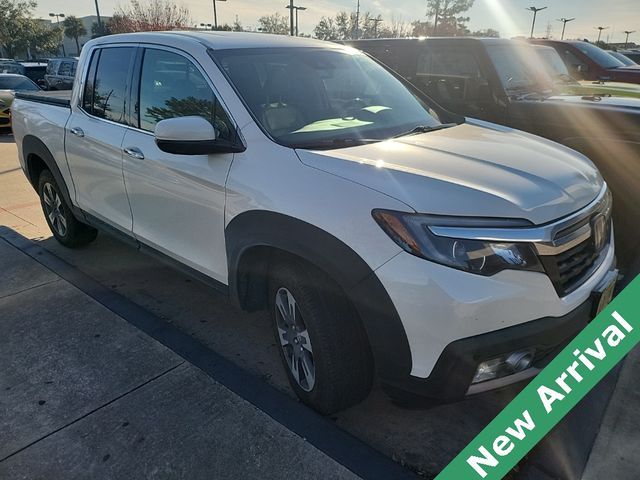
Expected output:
{"points": [[294, 340], [54, 209]]}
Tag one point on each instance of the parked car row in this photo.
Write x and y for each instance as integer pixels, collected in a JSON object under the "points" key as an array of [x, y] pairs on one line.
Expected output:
{"points": [[53, 74], [388, 230]]}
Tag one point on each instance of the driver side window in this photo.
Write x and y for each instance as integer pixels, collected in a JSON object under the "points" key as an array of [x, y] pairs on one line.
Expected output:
{"points": [[449, 74], [171, 86]]}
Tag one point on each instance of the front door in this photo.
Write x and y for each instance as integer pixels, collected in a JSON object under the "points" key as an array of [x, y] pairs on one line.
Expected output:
{"points": [[177, 201]]}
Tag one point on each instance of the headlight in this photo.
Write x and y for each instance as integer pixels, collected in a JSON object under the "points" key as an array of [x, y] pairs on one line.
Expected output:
{"points": [[411, 232]]}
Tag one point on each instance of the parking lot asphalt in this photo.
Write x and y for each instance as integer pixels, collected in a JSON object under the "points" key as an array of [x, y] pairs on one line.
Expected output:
{"points": [[423, 439]]}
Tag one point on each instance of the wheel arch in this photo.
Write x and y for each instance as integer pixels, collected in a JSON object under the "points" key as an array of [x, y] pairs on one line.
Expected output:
{"points": [[37, 157], [254, 237]]}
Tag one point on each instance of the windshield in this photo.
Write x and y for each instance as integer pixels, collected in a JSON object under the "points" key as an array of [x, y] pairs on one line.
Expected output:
{"points": [[319, 97], [598, 55], [553, 64], [17, 83], [519, 68], [626, 60]]}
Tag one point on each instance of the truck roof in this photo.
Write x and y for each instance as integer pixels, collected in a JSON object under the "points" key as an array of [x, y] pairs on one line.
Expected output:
{"points": [[412, 40], [216, 40]]}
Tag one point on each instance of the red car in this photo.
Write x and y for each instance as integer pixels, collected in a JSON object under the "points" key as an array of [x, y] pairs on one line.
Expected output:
{"points": [[589, 62]]}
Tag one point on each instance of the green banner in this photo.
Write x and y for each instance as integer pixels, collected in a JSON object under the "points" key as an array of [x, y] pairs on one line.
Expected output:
{"points": [[553, 393]]}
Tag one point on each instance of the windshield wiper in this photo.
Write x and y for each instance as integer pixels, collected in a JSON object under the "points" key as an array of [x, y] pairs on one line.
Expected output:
{"points": [[425, 129], [334, 143]]}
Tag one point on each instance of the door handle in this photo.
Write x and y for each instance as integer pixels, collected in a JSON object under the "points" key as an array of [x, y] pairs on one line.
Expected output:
{"points": [[134, 152], [77, 131]]}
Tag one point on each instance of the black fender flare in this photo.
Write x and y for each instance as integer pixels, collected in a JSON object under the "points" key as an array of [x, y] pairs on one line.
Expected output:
{"points": [[380, 319], [34, 147]]}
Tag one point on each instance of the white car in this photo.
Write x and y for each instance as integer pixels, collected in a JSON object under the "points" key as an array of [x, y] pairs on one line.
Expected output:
{"points": [[385, 235]]}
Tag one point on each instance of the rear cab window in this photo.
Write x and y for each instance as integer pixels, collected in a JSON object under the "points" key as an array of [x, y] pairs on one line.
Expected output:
{"points": [[105, 91]]}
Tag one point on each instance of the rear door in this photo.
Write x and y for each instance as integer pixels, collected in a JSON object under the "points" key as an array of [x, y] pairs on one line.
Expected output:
{"points": [[177, 201], [94, 136]]}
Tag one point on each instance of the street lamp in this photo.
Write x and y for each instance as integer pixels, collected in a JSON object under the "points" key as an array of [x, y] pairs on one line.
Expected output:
{"points": [[600, 29], [564, 24], [58, 17], [376, 21], [628, 32], [296, 8], [215, 15], [535, 13]]}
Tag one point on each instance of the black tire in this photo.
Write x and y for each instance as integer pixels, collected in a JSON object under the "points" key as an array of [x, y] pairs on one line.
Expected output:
{"points": [[342, 360], [63, 224]]}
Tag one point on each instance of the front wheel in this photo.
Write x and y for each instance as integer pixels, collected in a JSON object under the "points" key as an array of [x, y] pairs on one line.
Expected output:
{"points": [[65, 227], [321, 341]]}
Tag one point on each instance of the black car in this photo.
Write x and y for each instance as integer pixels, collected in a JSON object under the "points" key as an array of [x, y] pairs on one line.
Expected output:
{"points": [[60, 73], [501, 81]]}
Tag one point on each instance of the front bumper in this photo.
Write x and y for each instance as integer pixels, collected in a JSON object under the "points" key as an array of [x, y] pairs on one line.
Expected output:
{"points": [[454, 321], [451, 377]]}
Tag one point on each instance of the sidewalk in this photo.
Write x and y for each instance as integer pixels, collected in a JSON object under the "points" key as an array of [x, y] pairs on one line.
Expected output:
{"points": [[86, 394]]}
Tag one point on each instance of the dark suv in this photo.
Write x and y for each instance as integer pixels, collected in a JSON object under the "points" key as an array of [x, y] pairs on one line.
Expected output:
{"points": [[60, 73], [502, 81], [589, 62]]}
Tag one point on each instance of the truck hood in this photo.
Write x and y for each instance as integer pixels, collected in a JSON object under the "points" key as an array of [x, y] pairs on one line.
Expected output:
{"points": [[594, 100], [476, 169]]}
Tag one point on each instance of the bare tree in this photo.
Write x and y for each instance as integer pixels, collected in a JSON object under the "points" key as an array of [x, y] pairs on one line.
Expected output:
{"points": [[447, 13], [275, 23], [149, 15]]}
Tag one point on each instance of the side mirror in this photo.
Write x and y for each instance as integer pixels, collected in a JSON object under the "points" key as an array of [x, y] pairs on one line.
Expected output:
{"points": [[191, 135]]}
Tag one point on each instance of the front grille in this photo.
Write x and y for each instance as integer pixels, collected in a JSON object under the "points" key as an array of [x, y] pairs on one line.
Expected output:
{"points": [[569, 269], [4, 121]]}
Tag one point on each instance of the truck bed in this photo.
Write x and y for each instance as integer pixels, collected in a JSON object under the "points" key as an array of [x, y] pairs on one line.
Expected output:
{"points": [[60, 98]]}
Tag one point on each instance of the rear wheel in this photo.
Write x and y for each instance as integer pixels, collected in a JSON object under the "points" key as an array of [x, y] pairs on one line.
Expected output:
{"points": [[65, 227], [321, 341]]}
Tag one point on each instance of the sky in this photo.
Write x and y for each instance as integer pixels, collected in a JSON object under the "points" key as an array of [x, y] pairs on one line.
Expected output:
{"points": [[509, 17]]}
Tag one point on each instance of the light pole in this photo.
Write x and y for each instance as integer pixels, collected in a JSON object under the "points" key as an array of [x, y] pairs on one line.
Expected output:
{"points": [[98, 16], [600, 29], [215, 15], [376, 21], [564, 24], [628, 32], [535, 13], [296, 8], [58, 17], [357, 21]]}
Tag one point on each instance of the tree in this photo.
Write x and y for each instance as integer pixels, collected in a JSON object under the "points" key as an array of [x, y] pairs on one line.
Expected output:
{"points": [[15, 21], [325, 29], [446, 13], [275, 23], [149, 15], [489, 32], [73, 28], [101, 29], [237, 25]]}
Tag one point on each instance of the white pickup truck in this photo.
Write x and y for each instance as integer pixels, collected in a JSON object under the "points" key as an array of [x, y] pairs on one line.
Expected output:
{"points": [[385, 235]]}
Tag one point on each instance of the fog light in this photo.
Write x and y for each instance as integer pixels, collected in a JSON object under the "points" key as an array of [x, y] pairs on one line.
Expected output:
{"points": [[502, 366]]}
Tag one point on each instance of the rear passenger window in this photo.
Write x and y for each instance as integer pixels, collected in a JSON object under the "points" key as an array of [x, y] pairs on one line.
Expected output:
{"points": [[108, 89], [87, 96], [65, 69], [171, 86], [448, 74]]}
